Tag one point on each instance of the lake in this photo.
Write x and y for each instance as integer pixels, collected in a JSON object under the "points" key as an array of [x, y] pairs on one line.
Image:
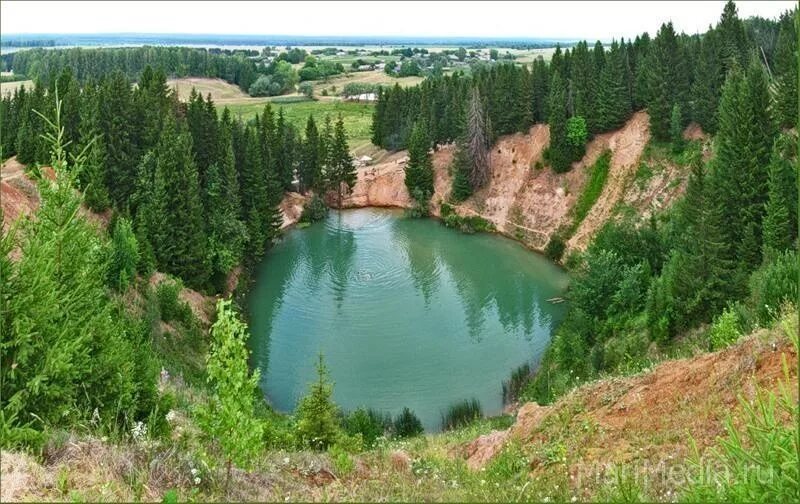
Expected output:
{"points": [[405, 311]]}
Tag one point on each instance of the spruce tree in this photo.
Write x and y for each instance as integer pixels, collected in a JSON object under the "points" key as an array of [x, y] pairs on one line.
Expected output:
{"points": [[676, 129], [558, 153], [785, 71], [341, 172], [310, 162], [182, 251], [460, 169], [317, 416], [419, 169], [780, 218]]}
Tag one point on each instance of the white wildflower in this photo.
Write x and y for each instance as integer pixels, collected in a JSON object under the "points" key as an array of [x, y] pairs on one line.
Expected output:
{"points": [[197, 480], [195, 472], [95, 417], [139, 431], [171, 416]]}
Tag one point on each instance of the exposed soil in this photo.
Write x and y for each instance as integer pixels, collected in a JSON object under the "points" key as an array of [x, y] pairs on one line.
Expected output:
{"points": [[524, 199], [626, 147], [650, 416]]}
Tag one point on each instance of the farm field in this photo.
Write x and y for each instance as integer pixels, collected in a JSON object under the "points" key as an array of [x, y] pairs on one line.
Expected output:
{"points": [[335, 84], [10, 87]]}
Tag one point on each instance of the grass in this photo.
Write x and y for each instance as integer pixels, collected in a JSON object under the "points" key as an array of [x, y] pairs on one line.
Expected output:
{"points": [[357, 117], [593, 189], [461, 414]]}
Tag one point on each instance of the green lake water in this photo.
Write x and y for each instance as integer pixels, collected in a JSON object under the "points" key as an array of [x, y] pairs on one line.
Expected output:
{"points": [[405, 311]]}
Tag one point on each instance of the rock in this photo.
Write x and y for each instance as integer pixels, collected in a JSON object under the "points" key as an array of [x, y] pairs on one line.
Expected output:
{"points": [[529, 418], [480, 451]]}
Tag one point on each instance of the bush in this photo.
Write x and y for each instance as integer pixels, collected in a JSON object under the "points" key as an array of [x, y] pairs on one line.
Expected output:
{"points": [[170, 304], [725, 330], [773, 284], [406, 424], [461, 414], [306, 89], [341, 460], [370, 424], [469, 224], [555, 248], [314, 211]]}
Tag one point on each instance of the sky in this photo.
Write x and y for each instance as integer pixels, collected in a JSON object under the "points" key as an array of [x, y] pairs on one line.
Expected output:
{"points": [[547, 19]]}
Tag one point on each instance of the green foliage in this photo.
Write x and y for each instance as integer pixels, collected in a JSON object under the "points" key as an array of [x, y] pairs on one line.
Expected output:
{"points": [[369, 423], [554, 250], [593, 189], [170, 305], [317, 417], [469, 224], [228, 417], [315, 210], [725, 330], [419, 169], [342, 461], [515, 384], [406, 424], [461, 414], [124, 255], [676, 129], [577, 135], [773, 284], [69, 352], [460, 169]]}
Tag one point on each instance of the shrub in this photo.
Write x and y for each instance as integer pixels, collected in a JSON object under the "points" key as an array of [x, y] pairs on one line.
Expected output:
{"points": [[170, 304], [341, 460], [725, 330], [461, 414], [406, 424], [369, 423], [306, 89], [555, 248], [772, 284], [314, 211]]}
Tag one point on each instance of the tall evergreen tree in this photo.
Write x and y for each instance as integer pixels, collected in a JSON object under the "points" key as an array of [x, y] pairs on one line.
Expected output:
{"points": [[341, 172], [183, 250], [558, 153], [419, 169], [478, 132], [310, 157]]}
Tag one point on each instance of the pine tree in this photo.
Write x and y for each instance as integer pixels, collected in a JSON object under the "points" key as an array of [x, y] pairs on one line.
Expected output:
{"points": [[733, 39], [676, 129], [182, 251], [786, 74], [460, 169], [613, 101], [558, 153], [226, 232], [317, 416], [667, 80], [310, 162], [419, 169], [341, 172], [707, 83], [124, 255], [780, 218], [117, 127]]}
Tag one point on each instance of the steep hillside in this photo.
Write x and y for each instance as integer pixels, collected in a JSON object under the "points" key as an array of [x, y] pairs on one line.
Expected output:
{"points": [[525, 199], [638, 424]]}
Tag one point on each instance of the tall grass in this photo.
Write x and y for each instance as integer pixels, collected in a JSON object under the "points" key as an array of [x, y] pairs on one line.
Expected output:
{"points": [[516, 383], [461, 414]]}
